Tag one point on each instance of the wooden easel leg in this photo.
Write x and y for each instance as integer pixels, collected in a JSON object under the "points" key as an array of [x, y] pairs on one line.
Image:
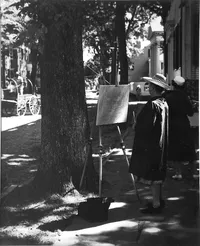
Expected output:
{"points": [[89, 143], [100, 161], [127, 161]]}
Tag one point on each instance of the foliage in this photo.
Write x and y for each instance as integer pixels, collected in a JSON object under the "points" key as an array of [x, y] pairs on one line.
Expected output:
{"points": [[12, 24], [99, 26]]}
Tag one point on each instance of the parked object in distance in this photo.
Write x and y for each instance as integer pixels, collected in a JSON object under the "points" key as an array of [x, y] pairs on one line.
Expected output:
{"points": [[17, 98], [144, 90]]}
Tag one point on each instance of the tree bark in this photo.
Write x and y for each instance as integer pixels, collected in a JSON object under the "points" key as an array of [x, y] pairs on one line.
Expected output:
{"points": [[3, 69], [64, 125], [121, 34]]}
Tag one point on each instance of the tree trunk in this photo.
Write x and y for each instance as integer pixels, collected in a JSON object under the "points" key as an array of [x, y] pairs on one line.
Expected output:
{"points": [[3, 69], [34, 60], [65, 126], [120, 24], [114, 51]]}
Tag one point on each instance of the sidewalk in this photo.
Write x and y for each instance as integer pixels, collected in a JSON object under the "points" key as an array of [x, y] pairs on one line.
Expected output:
{"points": [[177, 225], [25, 222]]}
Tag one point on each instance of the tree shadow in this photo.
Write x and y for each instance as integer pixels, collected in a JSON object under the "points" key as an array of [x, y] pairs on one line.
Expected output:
{"points": [[8, 240], [20, 153], [177, 224]]}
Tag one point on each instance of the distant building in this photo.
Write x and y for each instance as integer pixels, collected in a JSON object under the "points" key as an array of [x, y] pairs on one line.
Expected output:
{"points": [[140, 66], [150, 61], [182, 47], [14, 60], [155, 35]]}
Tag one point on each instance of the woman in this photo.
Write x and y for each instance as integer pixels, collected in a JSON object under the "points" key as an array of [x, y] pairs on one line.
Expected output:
{"points": [[148, 160], [181, 147]]}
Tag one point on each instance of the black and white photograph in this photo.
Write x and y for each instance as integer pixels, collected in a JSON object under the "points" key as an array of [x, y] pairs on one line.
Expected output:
{"points": [[99, 122]]}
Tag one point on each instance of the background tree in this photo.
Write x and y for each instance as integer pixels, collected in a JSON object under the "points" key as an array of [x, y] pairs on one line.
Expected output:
{"points": [[19, 29], [64, 124], [120, 21], [11, 25], [97, 32], [121, 35]]}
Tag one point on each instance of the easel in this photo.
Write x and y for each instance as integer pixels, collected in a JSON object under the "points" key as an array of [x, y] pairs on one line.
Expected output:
{"points": [[101, 157]]}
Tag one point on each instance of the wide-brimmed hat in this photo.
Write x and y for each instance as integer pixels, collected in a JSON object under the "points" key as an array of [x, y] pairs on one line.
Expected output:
{"points": [[159, 80], [179, 80]]}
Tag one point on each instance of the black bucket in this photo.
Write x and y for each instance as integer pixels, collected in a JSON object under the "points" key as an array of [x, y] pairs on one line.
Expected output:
{"points": [[95, 209]]}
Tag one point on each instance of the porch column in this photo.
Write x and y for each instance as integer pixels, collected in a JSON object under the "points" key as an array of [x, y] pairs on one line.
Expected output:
{"points": [[157, 59]]}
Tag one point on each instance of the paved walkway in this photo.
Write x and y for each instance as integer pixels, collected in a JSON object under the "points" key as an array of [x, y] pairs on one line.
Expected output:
{"points": [[177, 225]]}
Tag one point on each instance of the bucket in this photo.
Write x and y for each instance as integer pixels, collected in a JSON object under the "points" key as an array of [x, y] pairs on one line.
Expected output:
{"points": [[95, 209]]}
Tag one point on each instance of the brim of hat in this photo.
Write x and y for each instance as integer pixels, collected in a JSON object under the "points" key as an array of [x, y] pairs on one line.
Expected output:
{"points": [[156, 82]]}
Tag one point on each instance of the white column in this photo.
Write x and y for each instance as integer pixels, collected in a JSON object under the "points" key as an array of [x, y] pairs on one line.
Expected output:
{"points": [[157, 59]]}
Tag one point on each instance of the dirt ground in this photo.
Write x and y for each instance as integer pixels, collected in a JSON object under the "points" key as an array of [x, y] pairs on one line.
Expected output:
{"points": [[28, 219]]}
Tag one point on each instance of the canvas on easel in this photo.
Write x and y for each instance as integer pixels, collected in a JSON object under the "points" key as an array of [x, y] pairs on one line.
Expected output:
{"points": [[112, 109], [112, 104]]}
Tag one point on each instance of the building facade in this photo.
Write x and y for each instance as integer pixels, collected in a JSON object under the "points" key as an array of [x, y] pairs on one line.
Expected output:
{"points": [[155, 36], [182, 40], [181, 31]]}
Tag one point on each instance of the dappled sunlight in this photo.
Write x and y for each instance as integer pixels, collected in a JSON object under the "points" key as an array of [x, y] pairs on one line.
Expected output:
{"points": [[22, 159], [18, 121], [13, 163], [31, 124], [174, 223], [63, 209], [114, 205], [50, 218], [110, 227], [13, 209], [175, 198], [147, 197], [95, 155], [36, 205], [19, 160], [118, 151], [24, 155], [152, 230], [26, 233], [33, 171], [73, 199], [5, 156], [12, 130]]}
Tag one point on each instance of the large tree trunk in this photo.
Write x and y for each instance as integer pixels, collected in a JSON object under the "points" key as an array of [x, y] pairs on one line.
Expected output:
{"points": [[120, 28], [65, 126]]}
